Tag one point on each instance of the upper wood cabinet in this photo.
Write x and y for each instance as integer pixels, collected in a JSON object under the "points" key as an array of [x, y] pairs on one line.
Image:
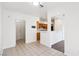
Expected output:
{"points": [[41, 25]]}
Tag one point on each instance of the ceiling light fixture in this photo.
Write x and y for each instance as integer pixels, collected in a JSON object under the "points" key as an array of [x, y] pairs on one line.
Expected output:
{"points": [[36, 3]]}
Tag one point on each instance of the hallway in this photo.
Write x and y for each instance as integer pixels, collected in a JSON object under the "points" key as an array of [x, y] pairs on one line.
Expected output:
{"points": [[32, 49]]}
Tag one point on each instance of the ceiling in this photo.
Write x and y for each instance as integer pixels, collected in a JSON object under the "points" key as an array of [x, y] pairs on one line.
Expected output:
{"points": [[30, 9], [24, 7]]}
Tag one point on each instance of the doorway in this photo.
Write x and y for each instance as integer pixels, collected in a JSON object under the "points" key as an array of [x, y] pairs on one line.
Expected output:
{"points": [[20, 31]]}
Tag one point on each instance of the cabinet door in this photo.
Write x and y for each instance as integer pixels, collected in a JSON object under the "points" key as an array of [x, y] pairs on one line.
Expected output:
{"points": [[38, 36]]}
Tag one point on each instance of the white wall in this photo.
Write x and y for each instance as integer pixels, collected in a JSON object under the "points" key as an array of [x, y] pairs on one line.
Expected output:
{"points": [[8, 30], [9, 27], [45, 38], [58, 25], [59, 28], [30, 32], [0, 28], [71, 24]]}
